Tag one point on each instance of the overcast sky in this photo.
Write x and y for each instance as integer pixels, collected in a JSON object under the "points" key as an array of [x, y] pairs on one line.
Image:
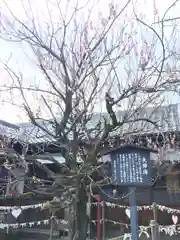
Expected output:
{"points": [[19, 52]]}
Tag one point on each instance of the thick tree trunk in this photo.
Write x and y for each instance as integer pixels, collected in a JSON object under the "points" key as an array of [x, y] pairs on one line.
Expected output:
{"points": [[79, 216]]}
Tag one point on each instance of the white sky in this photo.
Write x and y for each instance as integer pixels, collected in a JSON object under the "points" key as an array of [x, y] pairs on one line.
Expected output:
{"points": [[11, 113]]}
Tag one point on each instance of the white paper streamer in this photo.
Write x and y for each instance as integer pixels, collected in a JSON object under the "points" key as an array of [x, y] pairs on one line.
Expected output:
{"points": [[28, 224], [169, 230], [140, 208], [9, 208], [143, 230]]}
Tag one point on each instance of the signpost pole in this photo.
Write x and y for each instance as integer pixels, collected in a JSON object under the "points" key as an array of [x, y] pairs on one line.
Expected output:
{"points": [[134, 224], [131, 167]]}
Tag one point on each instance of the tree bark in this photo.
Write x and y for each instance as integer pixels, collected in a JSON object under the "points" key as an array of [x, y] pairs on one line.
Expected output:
{"points": [[79, 214]]}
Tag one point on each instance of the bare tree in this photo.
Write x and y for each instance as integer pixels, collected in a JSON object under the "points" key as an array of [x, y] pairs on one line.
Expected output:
{"points": [[87, 62]]}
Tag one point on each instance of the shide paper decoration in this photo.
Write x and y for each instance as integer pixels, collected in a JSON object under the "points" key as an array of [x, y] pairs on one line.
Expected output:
{"points": [[168, 230], [11, 208], [144, 207], [28, 224], [108, 204]]}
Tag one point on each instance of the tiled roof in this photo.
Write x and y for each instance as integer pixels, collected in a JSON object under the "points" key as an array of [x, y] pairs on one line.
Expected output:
{"points": [[8, 129], [167, 118], [33, 134]]}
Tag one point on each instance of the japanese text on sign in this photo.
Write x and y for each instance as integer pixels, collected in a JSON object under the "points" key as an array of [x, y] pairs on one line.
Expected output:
{"points": [[130, 168]]}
